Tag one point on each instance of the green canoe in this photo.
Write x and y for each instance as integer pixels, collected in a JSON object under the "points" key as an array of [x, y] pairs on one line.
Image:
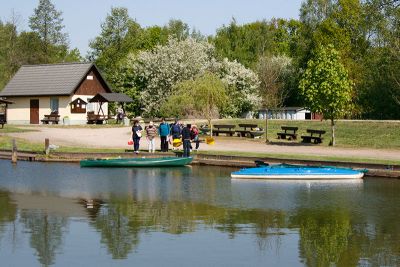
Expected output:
{"points": [[136, 162]]}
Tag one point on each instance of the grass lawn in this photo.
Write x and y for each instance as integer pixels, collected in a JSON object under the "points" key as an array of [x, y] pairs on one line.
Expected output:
{"points": [[24, 145], [14, 129], [357, 134]]}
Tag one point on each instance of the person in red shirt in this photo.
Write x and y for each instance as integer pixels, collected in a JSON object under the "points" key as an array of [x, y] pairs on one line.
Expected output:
{"points": [[194, 134]]}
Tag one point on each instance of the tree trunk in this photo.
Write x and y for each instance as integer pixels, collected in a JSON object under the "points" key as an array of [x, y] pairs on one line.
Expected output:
{"points": [[333, 142], [211, 128]]}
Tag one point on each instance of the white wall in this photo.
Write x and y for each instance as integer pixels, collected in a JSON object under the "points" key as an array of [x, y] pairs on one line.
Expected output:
{"points": [[284, 114]]}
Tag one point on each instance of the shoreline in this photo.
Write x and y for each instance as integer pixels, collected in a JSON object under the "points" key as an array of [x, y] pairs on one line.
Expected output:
{"points": [[374, 169]]}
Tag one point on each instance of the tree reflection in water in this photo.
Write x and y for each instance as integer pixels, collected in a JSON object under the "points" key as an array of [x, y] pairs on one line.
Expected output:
{"points": [[327, 236], [334, 225], [46, 234]]}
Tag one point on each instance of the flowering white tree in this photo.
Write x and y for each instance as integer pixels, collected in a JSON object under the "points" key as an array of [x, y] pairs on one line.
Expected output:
{"points": [[154, 73], [243, 86]]}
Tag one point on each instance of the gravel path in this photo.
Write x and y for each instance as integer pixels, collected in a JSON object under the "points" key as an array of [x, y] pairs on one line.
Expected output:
{"points": [[118, 137]]}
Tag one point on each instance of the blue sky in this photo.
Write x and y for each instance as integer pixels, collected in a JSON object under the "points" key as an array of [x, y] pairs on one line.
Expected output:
{"points": [[82, 18]]}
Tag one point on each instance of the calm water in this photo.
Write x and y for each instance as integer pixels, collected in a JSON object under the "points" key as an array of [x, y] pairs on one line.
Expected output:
{"points": [[62, 215]]}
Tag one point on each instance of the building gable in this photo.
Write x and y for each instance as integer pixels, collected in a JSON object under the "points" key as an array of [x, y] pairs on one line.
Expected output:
{"points": [[92, 83]]}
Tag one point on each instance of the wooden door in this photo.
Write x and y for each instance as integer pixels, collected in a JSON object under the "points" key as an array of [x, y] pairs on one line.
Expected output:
{"points": [[34, 111]]}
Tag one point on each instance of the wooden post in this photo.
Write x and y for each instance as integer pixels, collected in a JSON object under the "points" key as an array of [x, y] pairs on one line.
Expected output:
{"points": [[46, 146], [266, 126], [14, 156]]}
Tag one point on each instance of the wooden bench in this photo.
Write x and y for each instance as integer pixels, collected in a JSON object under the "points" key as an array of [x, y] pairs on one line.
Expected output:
{"points": [[249, 130], [96, 119], [254, 134], [315, 136], [289, 131], [247, 127], [2, 120], [53, 117], [224, 128]]}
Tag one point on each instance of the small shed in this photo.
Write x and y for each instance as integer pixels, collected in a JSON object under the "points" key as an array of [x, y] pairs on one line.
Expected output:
{"points": [[288, 113]]}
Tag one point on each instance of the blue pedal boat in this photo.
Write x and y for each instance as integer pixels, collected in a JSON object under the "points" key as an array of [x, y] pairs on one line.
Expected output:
{"points": [[297, 172]]}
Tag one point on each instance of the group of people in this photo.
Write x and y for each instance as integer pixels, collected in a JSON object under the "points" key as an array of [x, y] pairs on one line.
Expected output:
{"points": [[175, 134]]}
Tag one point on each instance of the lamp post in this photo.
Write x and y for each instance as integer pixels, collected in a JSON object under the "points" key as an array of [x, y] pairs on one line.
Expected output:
{"points": [[266, 126]]}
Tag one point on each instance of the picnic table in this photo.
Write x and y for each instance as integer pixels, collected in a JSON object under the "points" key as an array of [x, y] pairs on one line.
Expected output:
{"points": [[227, 129], [249, 130], [289, 131], [96, 118], [315, 136], [53, 117]]}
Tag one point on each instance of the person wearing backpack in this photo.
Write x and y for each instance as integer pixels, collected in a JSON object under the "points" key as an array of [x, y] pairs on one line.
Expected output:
{"points": [[176, 132]]}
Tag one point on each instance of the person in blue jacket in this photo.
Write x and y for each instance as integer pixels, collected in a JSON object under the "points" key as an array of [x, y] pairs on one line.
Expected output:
{"points": [[163, 132]]}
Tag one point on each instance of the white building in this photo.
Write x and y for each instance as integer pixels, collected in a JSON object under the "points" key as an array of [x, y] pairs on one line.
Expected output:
{"points": [[288, 113]]}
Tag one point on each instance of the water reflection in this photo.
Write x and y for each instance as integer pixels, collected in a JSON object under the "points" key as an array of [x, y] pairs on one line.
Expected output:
{"points": [[58, 206]]}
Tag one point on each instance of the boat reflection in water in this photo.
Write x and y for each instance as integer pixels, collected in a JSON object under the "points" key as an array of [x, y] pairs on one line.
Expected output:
{"points": [[59, 214]]}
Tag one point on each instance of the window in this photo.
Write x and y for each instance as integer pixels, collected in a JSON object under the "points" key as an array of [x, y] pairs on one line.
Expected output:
{"points": [[89, 77], [54, 104]]}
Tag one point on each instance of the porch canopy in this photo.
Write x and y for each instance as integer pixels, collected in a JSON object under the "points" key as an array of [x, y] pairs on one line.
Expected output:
{"points": [[110, 97], [3, 101]]}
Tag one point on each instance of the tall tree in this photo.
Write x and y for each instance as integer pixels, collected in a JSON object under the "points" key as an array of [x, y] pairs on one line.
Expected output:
{"points": [[247, 43], [326, 86], [201, 97], [46, 21], [117, 38], [380, 96], [8, 39], [272, 72], [177, 29]]}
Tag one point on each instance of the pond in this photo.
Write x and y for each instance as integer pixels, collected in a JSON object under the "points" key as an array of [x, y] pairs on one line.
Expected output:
{"points": [[59, 214]]}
